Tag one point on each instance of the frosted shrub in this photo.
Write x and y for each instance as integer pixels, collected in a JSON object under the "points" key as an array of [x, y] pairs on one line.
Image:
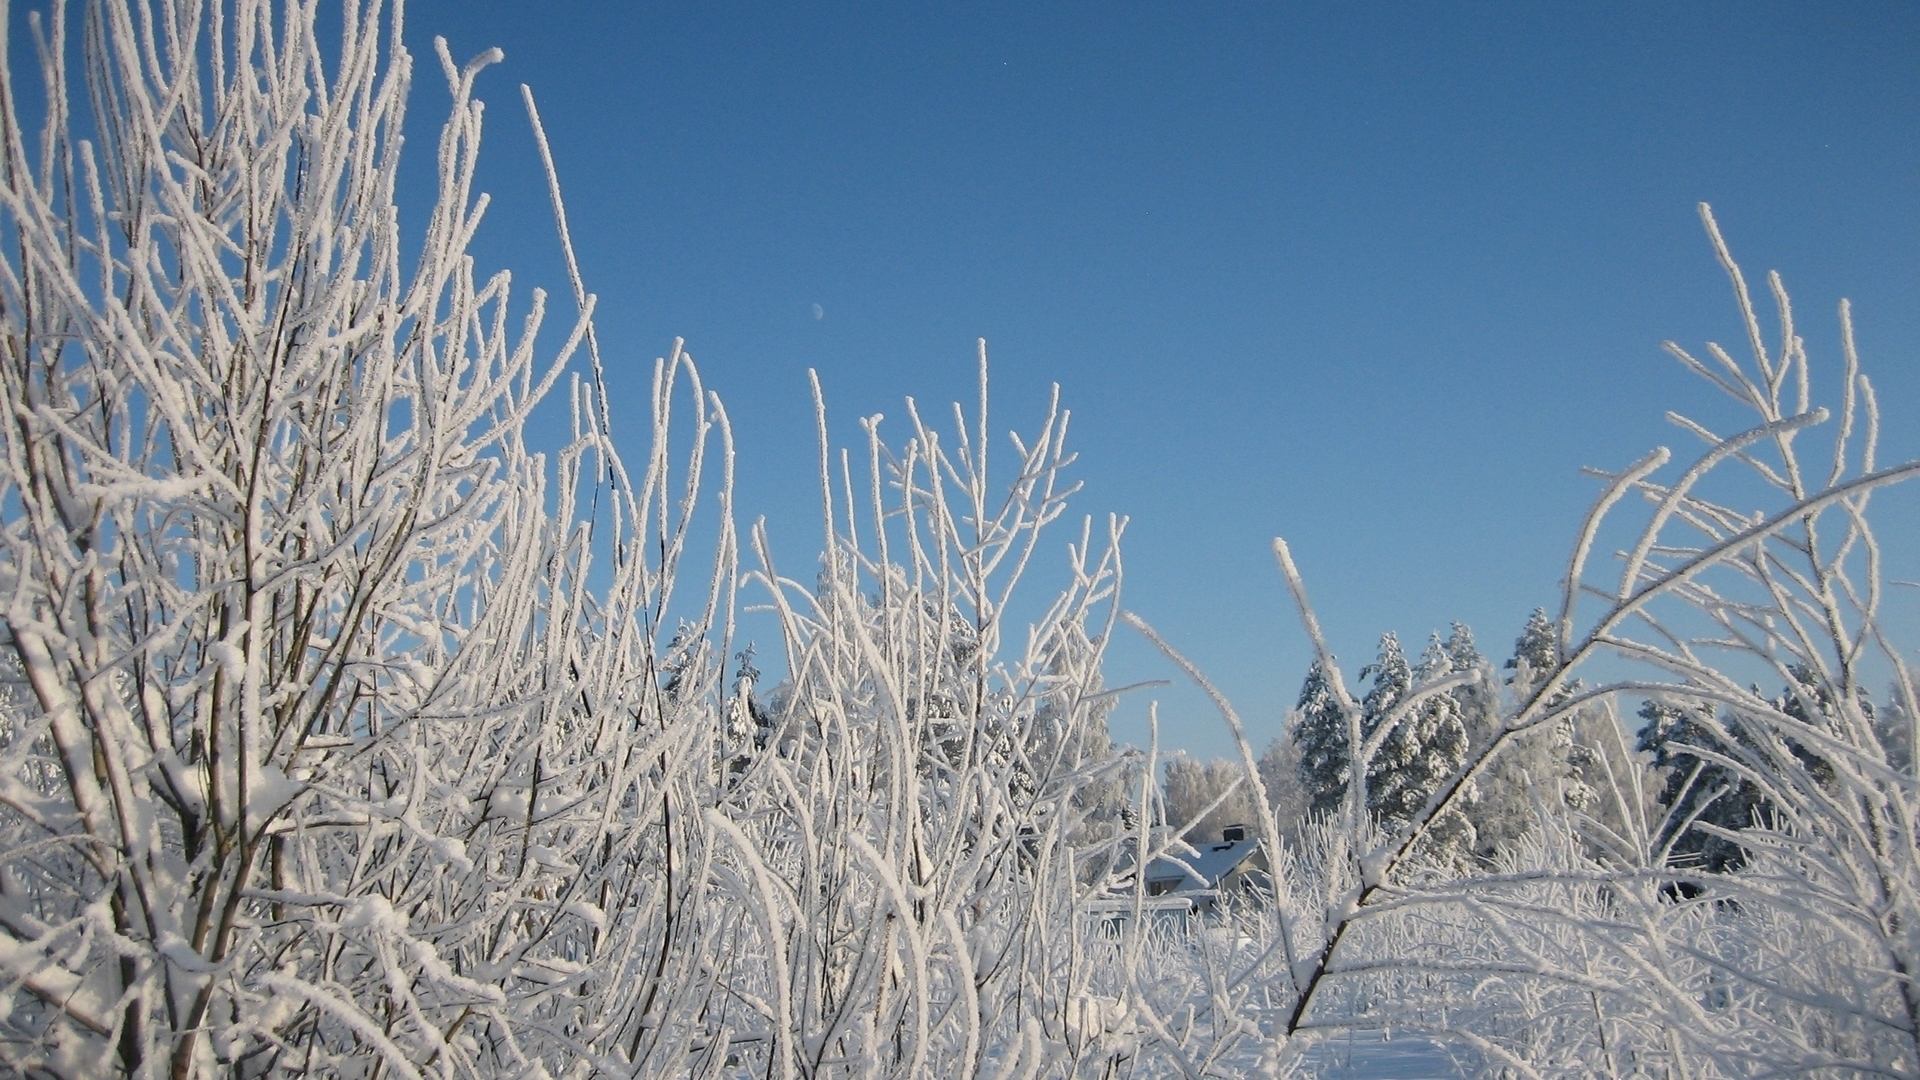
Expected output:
{"points": [[345, 735], [320, 754], [915, 848]]}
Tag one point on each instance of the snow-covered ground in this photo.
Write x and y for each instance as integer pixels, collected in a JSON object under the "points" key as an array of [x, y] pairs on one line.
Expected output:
{"points": [[1366, 1056]]}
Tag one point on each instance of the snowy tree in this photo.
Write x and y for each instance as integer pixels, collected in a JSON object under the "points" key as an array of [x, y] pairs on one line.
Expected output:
{"points": [[1441, 730], [749, 725], [1537, 773], [1279, 768], [1797, 961], [1479, 701], [1394, 772], [1708, 792], [1423, 745], [1320, 735], [1699, 789], [1811, 700], [1204, 798], [1894, 727], [943, 800], [333, 761], [1536, 652], [342, 733]]}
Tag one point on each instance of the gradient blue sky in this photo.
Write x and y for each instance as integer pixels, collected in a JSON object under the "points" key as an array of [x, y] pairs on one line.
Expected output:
{"points": [[1378, 278]]}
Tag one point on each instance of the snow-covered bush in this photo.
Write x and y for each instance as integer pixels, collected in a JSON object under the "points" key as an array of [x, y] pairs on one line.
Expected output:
{"points": [[913, 846], [321, 752], [346, 735]]}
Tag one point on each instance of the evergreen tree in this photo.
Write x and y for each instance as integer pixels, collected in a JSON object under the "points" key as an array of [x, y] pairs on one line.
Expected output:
{"points": [[1893, 726], [1535, 653], [1542, 768], [1809, 689], [1424, 747], [1674, 733], [1443, 741], [677, 659], [1479, 702], [749, 723], [1390, 771], [1320, 736], [1421, 751]]}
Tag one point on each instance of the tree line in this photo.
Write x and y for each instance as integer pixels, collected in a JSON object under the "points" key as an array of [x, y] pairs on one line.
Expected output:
{"points": [[1686, 757]]}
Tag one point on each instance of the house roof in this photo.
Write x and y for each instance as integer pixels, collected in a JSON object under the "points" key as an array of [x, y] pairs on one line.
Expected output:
{"points": [[1205, 868]]}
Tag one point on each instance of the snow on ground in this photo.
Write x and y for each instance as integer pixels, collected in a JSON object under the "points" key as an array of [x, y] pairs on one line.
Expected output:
{"points": [[1366, 1056]]}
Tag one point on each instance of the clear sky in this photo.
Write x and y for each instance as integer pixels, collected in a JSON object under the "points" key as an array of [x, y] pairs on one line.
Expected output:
{"points": [[1378, 278]]}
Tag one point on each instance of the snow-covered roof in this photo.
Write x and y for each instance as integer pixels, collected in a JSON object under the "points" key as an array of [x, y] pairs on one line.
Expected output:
{"points": [[1204, 869]]}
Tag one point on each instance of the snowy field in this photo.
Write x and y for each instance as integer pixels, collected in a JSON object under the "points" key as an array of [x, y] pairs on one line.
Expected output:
{"points": [[1366, 1056]]}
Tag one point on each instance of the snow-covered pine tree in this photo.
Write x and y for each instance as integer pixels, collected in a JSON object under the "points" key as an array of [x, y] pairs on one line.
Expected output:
{"points": [[1812, 701], [1422, 748], [1479, 701], [1437, 730], [1395, 773], [1537, 770], [748, 724], [1320, 734], [1535, 653], [1893, 726], [1808, 966], [1697, 790]]}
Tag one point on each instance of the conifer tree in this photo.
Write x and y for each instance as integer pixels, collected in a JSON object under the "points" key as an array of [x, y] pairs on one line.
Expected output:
{"points": [[1533, 770], [1386, 773], [1480, 701], [1681, 739], [1894, 728], [1423, 748], [749, 723], [1320, 733], [1813, 701], [1437, 730], [1535, 653], [1697, 789]]}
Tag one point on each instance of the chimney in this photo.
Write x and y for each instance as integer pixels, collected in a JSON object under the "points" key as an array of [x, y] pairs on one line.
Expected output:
{"points": [[1233, 834]]}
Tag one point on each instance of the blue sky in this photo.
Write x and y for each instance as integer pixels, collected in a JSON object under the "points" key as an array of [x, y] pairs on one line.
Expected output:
{"points": [[1376, 278]]}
